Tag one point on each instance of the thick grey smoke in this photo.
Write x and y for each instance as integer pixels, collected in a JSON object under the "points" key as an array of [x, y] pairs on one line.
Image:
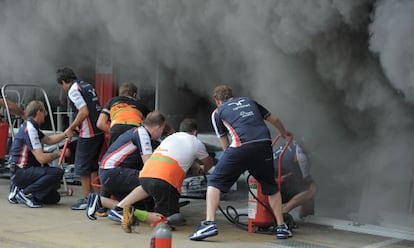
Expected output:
{"points": [[338, 72]]}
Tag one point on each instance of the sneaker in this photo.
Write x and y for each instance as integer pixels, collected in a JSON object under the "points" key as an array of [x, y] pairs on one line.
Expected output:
{"points": [[204, 230], [102, 212], [94, 202], [81, 204], [12, 194], [283, 232], [289, 221], [28, 199], [128, 218], [116, 215]]}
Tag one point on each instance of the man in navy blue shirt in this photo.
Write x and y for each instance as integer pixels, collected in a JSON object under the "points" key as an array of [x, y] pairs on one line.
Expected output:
{"points": [[34, 183], [120, 166], [83, 99], [298, 187], [250, 149]]}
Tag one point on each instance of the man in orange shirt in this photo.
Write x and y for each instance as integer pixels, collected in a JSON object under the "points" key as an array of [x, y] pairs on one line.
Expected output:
{"points": [[163, 174], [122, 112]]}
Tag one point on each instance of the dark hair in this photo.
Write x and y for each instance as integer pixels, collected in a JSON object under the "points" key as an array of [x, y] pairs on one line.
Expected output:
{"points": [[222, 92], [66, 74], [188, 125], [32, 108], [128, 89]]}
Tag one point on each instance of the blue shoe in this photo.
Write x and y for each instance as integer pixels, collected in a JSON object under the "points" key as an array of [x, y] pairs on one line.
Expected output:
{"points": [[205, 230], [283, 232], [12, 194], [115, 215], [81, 204], [28, 199], [94, 203]]}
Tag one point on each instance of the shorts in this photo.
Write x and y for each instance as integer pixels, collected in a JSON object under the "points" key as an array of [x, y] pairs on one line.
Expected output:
{"points": [[119, 181], [165, 196], [87, 154], [257, 158]]}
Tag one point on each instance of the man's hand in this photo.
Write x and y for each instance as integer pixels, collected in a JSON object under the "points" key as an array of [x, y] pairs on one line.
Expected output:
{"points": [[69, 133], [288, 134], [201, 170], [55, 155]]}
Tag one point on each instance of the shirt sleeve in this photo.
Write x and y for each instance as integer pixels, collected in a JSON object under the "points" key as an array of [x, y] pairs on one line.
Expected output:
{"points": [[32, 138], [144, 141], [303, 161], [263, 111], [106, 109], [76, 97], [201, 150], [218, 125]]}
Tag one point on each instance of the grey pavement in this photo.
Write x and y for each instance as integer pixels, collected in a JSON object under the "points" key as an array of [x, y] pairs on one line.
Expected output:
{"points": [[59, 226]]}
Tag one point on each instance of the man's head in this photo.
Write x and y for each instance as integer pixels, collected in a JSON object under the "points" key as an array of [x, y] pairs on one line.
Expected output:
{"points": [[65, 76], [189, 125], [222, 93], [128, 89], [36, 110], [155, 123]]}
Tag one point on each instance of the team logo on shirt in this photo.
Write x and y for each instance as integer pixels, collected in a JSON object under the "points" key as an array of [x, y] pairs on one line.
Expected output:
{"points": [[246, 114], [239, 103]]}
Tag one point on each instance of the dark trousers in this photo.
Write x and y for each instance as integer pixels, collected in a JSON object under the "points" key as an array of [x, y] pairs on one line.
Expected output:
{"points": [[41, 182]]}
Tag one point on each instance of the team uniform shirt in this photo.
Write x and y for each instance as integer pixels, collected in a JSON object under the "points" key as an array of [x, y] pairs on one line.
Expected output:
{"points": [[126, 151], [294, 162], [242, 117], [27, 138], [173, 157], [125, 110], [80, 94]]}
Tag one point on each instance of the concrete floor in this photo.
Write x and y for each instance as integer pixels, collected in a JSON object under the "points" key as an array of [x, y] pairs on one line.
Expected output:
{"points": [[58, 226]]}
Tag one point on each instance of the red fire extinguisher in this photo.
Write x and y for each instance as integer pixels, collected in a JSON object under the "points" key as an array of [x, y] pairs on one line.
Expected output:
{"points": [[260, 213], [4, 136], [161, 236], [258, 205]]}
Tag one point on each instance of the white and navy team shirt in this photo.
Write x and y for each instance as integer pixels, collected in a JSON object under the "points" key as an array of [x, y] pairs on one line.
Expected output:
{"points": [[127, 149], [27, 138], [243, 118], [294, 162], [80, 94]]}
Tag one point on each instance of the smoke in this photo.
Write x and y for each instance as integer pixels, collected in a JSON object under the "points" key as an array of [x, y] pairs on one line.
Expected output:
{"points": [[390, 39], [338, 72]]}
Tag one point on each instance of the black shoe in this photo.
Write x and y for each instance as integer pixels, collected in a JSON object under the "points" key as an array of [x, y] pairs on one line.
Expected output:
{"points": [[116, 214], [12, 194], [102, 212], [28, 199], [94, 203], [204, 230], [283, 232]]}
